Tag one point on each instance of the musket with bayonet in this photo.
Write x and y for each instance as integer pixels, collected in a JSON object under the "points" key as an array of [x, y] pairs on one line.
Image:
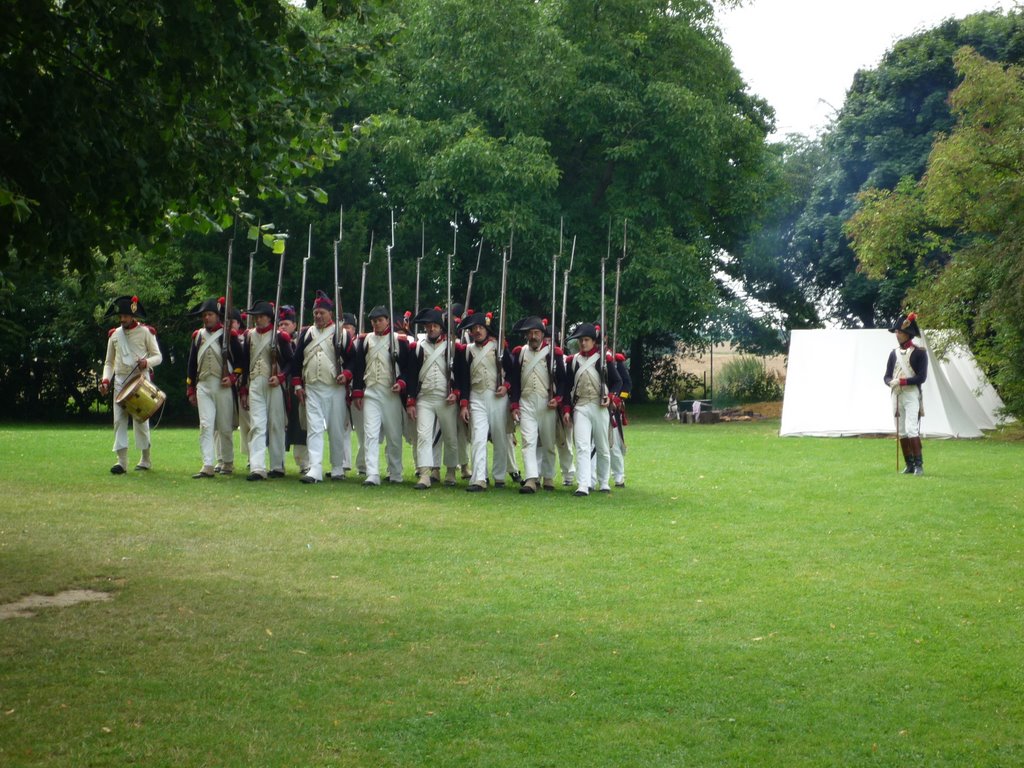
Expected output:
{"points": [[362, 285], [392, 348], [252, 259], [275, 366], [618, 280], [337, 292], [500, 346], [419, 261], [449, 330], [225, 338], [602, 367], [565, 291], [305, 264], [473, 271], [554, 296]]}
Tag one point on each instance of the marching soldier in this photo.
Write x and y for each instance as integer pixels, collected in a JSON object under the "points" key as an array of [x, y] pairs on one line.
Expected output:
{"points": [[484, 403], [380, 380], [432, 401], [210, 386], [591, 380], [537, 394], [130, 347], [319, 381], [905, 372], [268, 353], [295, 434], [349, 333], [617, 413]]}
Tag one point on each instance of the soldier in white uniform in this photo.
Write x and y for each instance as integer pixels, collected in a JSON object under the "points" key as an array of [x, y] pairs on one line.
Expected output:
{"points": [[268, 353], [131, 347], [905, 371], [432, 403], [617, 411], [210, 386], [591, 381], [537, 385], [380, 381], [319, 381], [484, 384]]}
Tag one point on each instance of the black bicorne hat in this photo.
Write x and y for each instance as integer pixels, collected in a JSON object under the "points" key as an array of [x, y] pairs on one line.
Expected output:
{"points": [[210, 305], [907, 324], [476, 318], [531, 323], [429, 315], [347, 318], [590, 330], [379, 311], [126, 305], [262, 308]]}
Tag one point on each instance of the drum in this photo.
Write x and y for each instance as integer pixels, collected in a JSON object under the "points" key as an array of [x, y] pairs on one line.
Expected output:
{"points": [[141, 398]]}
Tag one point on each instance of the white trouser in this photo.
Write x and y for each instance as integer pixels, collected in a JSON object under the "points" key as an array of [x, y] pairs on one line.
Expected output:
{"points": [[433, 410], [618, 457], [267, 417], [216, 421], [357, 425], [244, 425], [488, 414], [346, 435], [121, 417], [565, 458], [908, 400], [537, 426], [325, 404], [590, 427], [382, 411]]}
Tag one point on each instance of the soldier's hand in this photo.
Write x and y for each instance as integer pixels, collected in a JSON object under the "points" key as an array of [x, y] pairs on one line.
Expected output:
{"points": [[553, 403], [192, 400], [565, 419], [500, 391], [451, 399], [411, 410], [301, 394], [273, 381], [340, 378], [143, 363], [104, 389], [464, 413], [358, 402], [515, 416], [605, 401], [226, 381], [396, 387], [244, 400]]}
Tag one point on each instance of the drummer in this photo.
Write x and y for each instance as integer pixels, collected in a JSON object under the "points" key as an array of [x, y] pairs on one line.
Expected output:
{"points": [[131, 350]]}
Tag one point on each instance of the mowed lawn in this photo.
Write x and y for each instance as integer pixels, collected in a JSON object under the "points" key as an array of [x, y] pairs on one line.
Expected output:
{"points": [[747, 600]]}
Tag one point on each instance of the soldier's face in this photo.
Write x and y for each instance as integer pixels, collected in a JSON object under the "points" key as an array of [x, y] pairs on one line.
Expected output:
{"points": [[478, 333], [535, 338], [126, 320], [586, 344], [349, 327], [262, 321], [288, 326], [211, 320], [433, 331], [902, 337], [380, 325], [321, 318]]}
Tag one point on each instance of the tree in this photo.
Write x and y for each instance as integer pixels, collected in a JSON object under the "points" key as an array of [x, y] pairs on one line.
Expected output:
{"points": [[120, 118], [884, 132], [515, 115], [956, 233]]}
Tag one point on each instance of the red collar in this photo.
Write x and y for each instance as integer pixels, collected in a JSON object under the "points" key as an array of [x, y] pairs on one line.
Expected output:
{"points": [[908, 345], [591, 353], [268, 329], [133, 326]]}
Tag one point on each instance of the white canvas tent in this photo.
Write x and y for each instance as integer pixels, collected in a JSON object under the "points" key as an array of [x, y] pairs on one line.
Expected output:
{"points": [[834, 387]]}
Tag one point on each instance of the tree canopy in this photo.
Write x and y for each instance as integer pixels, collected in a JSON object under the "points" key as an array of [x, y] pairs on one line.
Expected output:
{"points": [[955, 235]]}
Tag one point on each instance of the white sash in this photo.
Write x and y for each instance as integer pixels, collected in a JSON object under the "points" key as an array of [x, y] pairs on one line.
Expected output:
{"points": [[432, 359], [208, 343], [587, 364], [532, 364]]}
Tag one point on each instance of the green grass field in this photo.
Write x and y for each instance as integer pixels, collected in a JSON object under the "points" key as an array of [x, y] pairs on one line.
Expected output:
{"points": [[747, 600]]}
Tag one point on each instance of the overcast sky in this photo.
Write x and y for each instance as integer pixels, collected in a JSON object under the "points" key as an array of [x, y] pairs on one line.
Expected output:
{"points": [[801, 55]]}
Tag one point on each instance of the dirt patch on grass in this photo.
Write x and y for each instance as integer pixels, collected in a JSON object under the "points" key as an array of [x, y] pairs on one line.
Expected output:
{"points": [[27, 606], [771, 410]]}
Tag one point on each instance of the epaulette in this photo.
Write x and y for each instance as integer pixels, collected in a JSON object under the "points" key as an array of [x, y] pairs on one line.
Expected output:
{"points": [[559, 351], [619, 357], [112, 331], [412, 343], [285, 337], [460, 347], [196, 332], [517, 350]]}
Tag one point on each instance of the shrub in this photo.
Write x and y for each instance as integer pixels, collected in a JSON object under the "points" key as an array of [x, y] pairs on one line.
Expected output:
{"points": [[746, 380]]}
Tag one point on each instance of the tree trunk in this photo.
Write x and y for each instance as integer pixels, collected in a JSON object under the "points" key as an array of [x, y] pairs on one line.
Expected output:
{"points": [[637, 358]]}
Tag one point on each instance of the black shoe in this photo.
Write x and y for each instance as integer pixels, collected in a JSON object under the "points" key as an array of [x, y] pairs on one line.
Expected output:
{"points": [[255, 476], [308, 480], [620, 485], [910, 467], [117, 469], [275, 473], [606, 490], [475, 488], [517, 478], [202, 476], [580, 493], [141, 468], [919, 466]]}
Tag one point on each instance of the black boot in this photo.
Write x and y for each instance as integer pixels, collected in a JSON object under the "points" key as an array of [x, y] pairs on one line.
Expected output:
{"points": [[908, 454], [918, 461]]}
